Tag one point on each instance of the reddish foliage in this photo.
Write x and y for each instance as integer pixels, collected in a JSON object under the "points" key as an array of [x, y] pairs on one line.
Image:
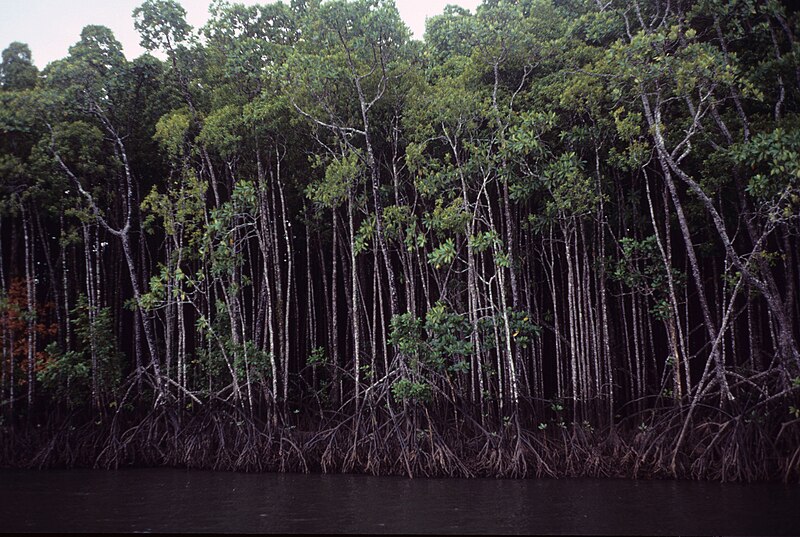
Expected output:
{"points": [[13, 312]]}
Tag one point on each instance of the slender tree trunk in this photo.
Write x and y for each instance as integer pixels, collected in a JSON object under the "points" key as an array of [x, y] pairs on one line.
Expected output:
{"points": [[30, 276]]}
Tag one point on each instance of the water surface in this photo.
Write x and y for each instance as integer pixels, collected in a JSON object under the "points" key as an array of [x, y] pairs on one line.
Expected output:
{"points": [[170, 500]]}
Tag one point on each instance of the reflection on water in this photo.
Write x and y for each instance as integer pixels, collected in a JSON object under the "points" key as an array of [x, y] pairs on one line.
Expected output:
{"points": [[169, 500]]}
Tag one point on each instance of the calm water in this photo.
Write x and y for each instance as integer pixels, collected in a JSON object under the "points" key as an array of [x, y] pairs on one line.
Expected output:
{"points": [[168, 500]]}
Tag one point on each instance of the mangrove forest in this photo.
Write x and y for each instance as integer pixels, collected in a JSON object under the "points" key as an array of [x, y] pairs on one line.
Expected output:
{"points": [[552, 238]]}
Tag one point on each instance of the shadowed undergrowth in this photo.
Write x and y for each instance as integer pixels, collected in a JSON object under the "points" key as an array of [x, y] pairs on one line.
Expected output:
{"points": [[375, 442]]}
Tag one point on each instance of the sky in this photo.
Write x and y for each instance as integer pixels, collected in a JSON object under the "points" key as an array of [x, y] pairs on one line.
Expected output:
{"points": [[50, 27]]}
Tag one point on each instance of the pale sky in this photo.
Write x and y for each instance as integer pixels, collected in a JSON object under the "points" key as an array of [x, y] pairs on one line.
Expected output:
{"points": [[50, 27]]}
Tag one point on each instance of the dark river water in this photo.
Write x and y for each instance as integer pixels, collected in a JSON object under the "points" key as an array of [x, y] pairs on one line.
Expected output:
{"points": [[169, 500]]}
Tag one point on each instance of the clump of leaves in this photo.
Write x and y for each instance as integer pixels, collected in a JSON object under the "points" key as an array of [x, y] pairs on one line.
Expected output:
{"points": [[68, 374], [440, 341], [317, 357], [408, 390]]}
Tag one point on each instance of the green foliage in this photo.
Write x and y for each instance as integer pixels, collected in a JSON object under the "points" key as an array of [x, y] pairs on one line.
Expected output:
{"points": [[414, 392], [17, 71], [223, 351], [522, 328], [448, 336], [222, 130], [406, 333], [399, 222], [775, 158], [485, 241], [364, 234], [573, 192], [171, 132], [249, 355], [80, 145], [230, 226], [443, 255], [447, 219], [441, 341], [340, 175], [98, 51], [161, 24], [317, 357], [641, 267], [180, 210], [68, 374]]}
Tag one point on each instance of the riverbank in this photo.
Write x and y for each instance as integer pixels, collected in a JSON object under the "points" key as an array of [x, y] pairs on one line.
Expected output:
{"points": [[412, 444]]}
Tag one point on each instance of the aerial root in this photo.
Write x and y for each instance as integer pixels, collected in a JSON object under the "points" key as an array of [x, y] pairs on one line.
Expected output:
{"points": [[412, 443]]}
